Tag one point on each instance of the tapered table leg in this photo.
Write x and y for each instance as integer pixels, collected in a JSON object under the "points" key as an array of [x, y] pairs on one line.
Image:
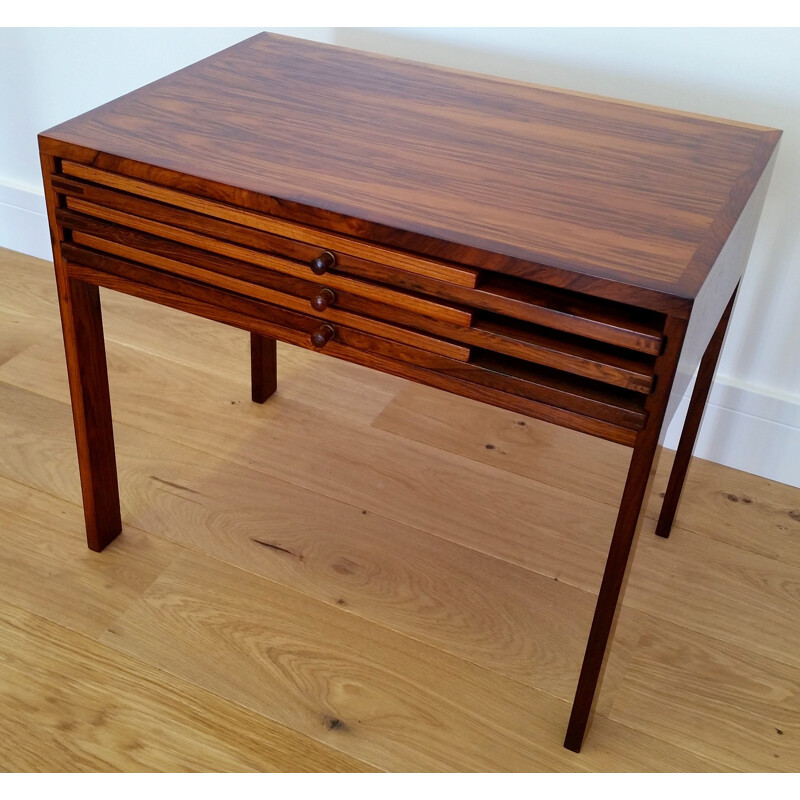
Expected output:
{"points": [[263, 367], [691, 426], [637, 485], [91, 410]]}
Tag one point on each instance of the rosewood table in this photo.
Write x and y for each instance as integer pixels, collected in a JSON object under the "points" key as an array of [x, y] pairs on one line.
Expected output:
{"points": [[569, 257]]}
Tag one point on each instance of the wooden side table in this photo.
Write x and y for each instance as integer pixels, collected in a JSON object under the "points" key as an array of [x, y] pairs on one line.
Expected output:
{"points": [[568, 257]]}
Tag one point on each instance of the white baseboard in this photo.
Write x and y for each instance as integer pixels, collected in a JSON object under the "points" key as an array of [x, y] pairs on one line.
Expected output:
{"points": [[750, 428], [747, 427], [23, 221]]}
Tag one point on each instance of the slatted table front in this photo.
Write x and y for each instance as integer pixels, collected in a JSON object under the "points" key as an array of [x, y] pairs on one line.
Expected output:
{"points": [[568, 257]]}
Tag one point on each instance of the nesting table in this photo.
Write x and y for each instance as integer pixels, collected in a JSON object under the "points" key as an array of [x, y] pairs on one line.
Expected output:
{"points": [[568, 257]]}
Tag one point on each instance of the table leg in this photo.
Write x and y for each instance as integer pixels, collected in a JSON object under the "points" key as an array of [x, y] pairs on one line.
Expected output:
{"points": [[637, 484], [91, 409], [640, 473], [691, 426], [263, 367]]}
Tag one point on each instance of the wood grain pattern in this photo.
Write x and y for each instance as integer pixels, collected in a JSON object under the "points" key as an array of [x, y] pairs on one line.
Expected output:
{"points": [[17, 331], [529, 175], [596, 411], [306, 287], [506, 441], [736, 531], [729, 506], [382, 571], [221, 351], [688, 687], [696, 693], [367, 324], [124, 275], [755, 600], [683, 238], [112, 713], [261, 240], [754, 514], [371, 291], [459, 275], [538, 345], [28, 286], [47, 569], [624, 326], [566, 535], [369, 691], [544, 347], [660, 758], [615, 323]]}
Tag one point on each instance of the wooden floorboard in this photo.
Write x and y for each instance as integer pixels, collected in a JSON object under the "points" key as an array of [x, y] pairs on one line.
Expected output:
{"points": [[19, 331], [529, 626], [46, 568], [751, 512], [723, 702], [381, 696], [520, 520], [420, 604], [71, 704], [556, 532]]}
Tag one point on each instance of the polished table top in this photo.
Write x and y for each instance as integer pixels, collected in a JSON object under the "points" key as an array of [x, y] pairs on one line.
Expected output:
{"points": [[365, 205], [484, 171]]}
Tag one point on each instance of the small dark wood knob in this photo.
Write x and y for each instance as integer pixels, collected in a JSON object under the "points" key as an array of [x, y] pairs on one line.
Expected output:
{"points": [[322, 299], [324, 262], [322, 335]]}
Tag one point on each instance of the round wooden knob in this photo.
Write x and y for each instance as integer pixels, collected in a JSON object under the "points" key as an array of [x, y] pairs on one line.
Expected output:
{"points": [[322, 335], [322, 299], [322, 263]]}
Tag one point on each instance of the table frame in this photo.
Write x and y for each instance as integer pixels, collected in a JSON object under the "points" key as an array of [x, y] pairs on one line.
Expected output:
{"points": [[677, 254], [79, 302]]}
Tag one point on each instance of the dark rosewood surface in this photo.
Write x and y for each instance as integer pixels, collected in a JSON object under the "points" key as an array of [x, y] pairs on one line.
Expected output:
{"points": [[483, 171], [565, 257]]}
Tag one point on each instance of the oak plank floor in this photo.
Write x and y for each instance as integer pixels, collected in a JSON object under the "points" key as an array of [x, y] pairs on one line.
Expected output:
{"points": [[109, 712], [19, 331], [384, 474], [723, 702], [46, 569], [751, 512], [420, 605], [363, 562], [515, 519], [382, 696]]}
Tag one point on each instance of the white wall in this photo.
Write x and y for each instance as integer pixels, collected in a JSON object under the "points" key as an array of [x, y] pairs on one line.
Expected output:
{"points": [[753, 422], [48, 75]]}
